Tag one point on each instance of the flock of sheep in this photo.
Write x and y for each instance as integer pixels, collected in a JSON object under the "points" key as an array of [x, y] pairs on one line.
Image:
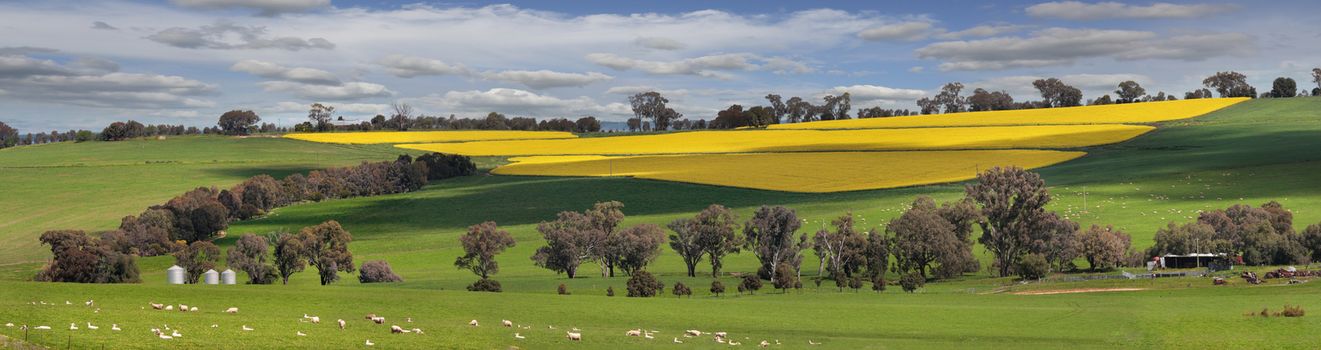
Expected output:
{"points": [[574, 334]]}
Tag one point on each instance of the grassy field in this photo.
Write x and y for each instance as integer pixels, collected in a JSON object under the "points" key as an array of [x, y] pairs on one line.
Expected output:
{"points": [[1248, 153]]}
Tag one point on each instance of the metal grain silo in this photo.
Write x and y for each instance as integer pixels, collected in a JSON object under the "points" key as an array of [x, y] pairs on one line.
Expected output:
{"points": [[211, 277], [174, 275], [227, 277]]}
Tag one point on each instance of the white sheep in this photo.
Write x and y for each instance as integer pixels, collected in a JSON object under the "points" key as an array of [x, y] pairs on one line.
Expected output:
{"points": [[157, 306], [114, 327], [677, 341], [519, 336], [417, 330], [192, 309], [42, 328], [692, 333], [574, 336], [315, 320], [232, 310], [634, 333], [473, 323], [341, 324], [506, 323], [764, 344], [73, 327], [9, 325], [379, 320], [91, 327], [368, 343], [183, 308], [396, 330], [301, 334], [169, 307], [246, 328]]}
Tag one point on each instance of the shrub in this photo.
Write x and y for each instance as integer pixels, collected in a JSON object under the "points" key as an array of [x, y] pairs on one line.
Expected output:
{"points": [[77, 257], [1293, 311], [911, 281], [610, 291], [562, 290], [1033, 266], [485, 285], [681, 290], [717, 288], [644, 285], [750, 284], [855, 283], [444, 166], [377, 272], [878, 284]]}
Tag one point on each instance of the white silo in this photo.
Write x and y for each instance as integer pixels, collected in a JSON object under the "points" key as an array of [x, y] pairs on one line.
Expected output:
{"points": [[211, 277], [227, 277], [174, 275]]}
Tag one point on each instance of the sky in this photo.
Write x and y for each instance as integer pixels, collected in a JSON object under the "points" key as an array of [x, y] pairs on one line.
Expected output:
{"points": [[80, 65]]}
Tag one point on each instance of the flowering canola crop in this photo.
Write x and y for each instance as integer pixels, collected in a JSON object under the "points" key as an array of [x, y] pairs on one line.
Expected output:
{"points": [[751, 141], [396, 137], [814, 172], [1137, 113]]}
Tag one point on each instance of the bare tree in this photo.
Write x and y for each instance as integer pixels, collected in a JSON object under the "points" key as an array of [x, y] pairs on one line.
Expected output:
{"points": [[402, 113]]}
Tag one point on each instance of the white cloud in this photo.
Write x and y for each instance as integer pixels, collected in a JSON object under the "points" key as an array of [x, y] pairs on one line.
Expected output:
{"points": [[1076, 10], [516, 102], [264, 7], [275, 71], [405, 66], [906, 31], [228, 36], [96, 82], [658, 43], [344, 91], [874, 94], [982, 31], [705, 66], [1064, 46], [542, 79]]}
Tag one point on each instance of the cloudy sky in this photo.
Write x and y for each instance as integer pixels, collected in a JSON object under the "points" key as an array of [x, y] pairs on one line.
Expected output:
{"points": [[76, 64]]}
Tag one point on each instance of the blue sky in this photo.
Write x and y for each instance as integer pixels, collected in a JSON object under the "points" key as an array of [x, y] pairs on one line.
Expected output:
{"points": [[66, 64]]}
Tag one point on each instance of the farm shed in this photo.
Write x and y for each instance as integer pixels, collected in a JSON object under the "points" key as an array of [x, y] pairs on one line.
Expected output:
{"points": [[174, 275], [1194, 260]]}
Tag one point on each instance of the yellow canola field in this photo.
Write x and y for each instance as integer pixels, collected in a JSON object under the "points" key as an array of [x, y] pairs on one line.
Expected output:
{"points": [[397, 137], [1146, 112], [751, 141], [793, 172]]}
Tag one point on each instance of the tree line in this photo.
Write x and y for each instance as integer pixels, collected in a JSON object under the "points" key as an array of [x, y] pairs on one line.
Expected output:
{"points": [[322, 118], [928, 241], [186, 224]]}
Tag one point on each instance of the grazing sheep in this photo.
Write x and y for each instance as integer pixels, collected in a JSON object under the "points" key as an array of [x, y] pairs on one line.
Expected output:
{"points": [[379, 320], [192, 309], [721, 335], [396, 330], [91, 327], [810, 342], [506, 323], [42, 328], [315, 320], [166, 337], [408, 320], [114, 327], [370, 316], [183, 308], [417, 330], [66, 302], [169, 307], [246, 328], [88, 303], [232, 310], [157, 306], [341, 324], [574, 336], [9, 325], [301, 334], [677, 341], [634, 333], [213, 325], [648, 335], [519, 336], [692, 333], [176, 334], [734, 343], [764, 344], [369, 343], [73, 327], [473, 323]]}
